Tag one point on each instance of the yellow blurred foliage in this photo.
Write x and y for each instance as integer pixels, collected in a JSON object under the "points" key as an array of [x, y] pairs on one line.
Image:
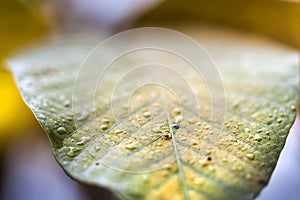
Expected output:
{"points": [[18, 26], [274, 18], [14, 115]]}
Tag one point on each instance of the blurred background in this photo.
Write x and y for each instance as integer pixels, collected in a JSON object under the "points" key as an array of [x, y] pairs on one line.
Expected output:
{"points": [[28, 170]]}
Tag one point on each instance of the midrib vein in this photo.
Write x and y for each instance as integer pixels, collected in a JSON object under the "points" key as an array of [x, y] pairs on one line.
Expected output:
{"points": [[181, 176]]}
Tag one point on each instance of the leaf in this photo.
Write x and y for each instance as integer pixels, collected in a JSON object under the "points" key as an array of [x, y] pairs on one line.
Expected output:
{"points": [[159, 141]]}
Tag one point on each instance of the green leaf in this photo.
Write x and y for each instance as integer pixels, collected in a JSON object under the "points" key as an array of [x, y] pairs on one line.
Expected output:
{"points": [[122, 135]]}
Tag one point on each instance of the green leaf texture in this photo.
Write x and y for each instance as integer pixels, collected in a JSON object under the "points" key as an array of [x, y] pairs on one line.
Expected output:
{"points": [[142, 154]]}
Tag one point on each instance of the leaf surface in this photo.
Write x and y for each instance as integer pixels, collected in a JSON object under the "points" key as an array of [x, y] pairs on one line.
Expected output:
{"points": [[145, 141]]}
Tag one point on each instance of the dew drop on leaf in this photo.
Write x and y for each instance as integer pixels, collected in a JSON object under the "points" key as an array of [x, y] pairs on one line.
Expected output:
{"points": [[131, 146], [177, 110], [117, 131], [250, 156], [104, 126], [247, 130], [199, 181], [178, 119], [192, 121], [85, 139], [257, 137], [147, 114], [293, 108], [244, 148], [74, 151], [61, 130]]}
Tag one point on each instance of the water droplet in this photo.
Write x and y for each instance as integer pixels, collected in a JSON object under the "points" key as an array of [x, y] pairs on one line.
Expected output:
{"points": [[192, 121], [105, 120], [85, 139], [250, 156], [82, 116], [167, 166], [279, 120], [259, 130], [199, 181], [156, 129], [236, 104], [139, 120], [293, 108], [131, 146], [193, 142], [137, 116], [239, 168], [97, 148], [143, 137], [145, 177], [203, 162], [104, 126], [200, 130], [247, 130], [257, 137], [208, 151], [211, 168], [165, 128], [61, 130], [74, 151], [248, 176], [67, 103], [178, 119], [158, 144], [244, 148], [192, 162], [147, 114], [117, 131], [177, 110]]}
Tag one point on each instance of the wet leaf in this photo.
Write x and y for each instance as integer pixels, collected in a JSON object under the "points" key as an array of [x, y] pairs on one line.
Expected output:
{"points": [[148, 141]]}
